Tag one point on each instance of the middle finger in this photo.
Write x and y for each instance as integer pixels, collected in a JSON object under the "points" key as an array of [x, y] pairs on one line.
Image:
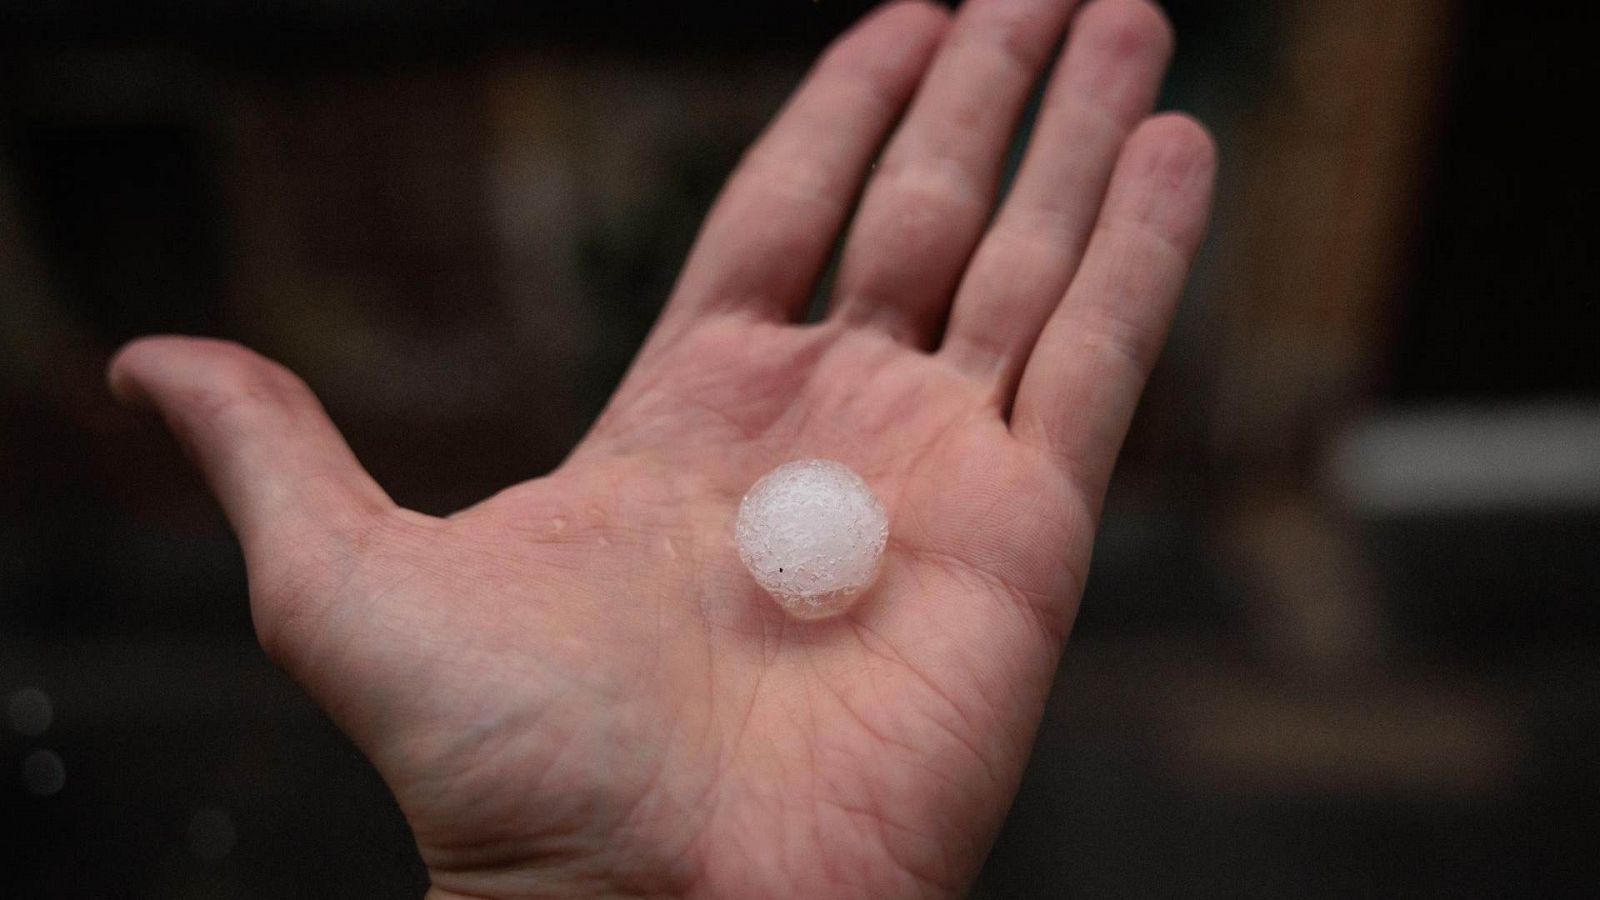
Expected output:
{"points": [[934, 190]]}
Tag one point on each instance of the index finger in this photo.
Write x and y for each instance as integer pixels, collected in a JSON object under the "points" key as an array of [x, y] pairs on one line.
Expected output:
{"points": [[772, 230]]}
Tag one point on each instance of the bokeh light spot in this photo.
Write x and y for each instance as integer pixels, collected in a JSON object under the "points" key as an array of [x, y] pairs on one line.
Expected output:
{"points": [[29, 711], [43, 773]]}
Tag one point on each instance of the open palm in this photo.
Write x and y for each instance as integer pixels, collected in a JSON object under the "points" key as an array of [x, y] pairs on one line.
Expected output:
{"points": [[574, 685]]}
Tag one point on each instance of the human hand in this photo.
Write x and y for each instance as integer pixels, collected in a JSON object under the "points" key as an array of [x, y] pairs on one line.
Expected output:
{"points": [[574, 686]]}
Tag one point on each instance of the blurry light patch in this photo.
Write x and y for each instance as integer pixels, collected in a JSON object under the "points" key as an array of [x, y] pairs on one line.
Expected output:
{"points": [[43, 773], [29, 711], [1396, 739], [211, 834], [1471, 459]]}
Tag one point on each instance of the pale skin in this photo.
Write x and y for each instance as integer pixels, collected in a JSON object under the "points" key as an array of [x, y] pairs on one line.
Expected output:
{"points": [[574, 687]]}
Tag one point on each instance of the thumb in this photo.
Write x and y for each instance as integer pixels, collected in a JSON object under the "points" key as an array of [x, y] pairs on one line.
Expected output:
{"points": [[291, 488]]}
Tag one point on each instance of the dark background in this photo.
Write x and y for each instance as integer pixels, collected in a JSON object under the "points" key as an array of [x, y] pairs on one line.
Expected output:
{"points": [[1341, 635]]}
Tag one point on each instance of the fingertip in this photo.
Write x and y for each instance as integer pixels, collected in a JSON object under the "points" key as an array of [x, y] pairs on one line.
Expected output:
{"points": [[1128, 29], [143, 368], [923, 13], [1165, 177], [118, 383], [1177, 145], [902, 30], [126, 368]]}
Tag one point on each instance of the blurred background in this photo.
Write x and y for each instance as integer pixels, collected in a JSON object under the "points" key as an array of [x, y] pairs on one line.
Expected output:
{"points": [[1341, 634]]}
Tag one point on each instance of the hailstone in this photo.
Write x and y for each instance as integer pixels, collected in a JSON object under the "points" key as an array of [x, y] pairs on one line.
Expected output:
{"points": [[812, 534]]}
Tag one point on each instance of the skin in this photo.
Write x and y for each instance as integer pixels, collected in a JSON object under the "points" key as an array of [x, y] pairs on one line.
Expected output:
{"points": [[574, 687]]}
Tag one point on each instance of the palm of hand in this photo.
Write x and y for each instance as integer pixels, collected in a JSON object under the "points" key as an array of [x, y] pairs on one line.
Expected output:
{"points": [[576, 684], [658, 683]]}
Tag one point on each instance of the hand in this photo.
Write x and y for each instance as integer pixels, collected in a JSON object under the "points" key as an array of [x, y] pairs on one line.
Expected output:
{"points": [[574, 686]]}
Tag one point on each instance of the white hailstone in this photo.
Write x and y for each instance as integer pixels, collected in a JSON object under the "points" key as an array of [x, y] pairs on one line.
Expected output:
{"points": [[812, 534]]}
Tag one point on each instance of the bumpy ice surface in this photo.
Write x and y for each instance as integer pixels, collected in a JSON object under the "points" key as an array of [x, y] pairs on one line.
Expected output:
{"points": [[812, 534]]}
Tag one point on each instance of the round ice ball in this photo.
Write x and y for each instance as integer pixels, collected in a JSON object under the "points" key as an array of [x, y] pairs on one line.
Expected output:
{"points": [[812, 534]]}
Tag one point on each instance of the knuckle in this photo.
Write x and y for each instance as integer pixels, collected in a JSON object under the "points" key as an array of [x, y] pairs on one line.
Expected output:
{"points": [[933, 184], [1013, 31], [239, 384]]}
